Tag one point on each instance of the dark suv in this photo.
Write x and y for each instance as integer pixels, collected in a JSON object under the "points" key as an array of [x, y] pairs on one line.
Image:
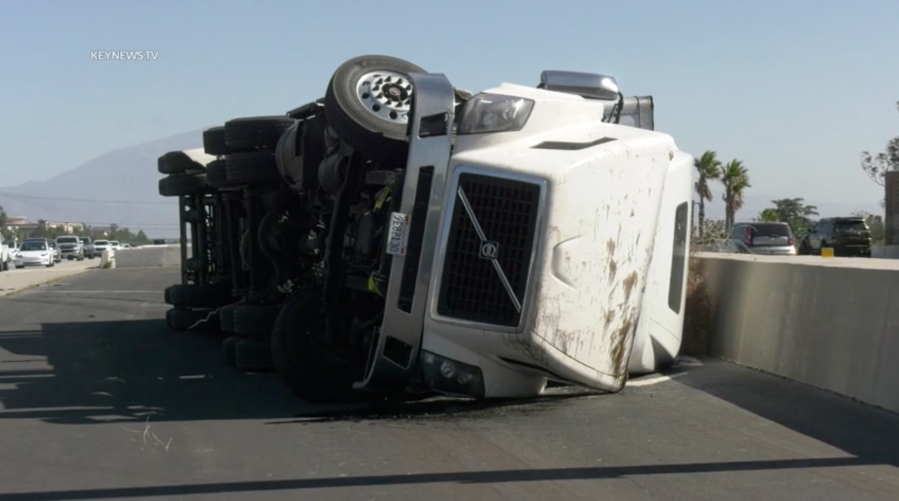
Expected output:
{"points": [[847, 236]]}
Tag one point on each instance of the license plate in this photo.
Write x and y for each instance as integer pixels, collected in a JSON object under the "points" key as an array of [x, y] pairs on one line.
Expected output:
{"points": [[398, 236]]}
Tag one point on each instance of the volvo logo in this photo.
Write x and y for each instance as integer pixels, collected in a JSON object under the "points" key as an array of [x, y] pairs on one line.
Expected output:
{"points": [[489, 250]]}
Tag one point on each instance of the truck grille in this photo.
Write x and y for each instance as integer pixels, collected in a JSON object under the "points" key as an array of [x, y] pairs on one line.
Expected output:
{"points": [[488, 255]]}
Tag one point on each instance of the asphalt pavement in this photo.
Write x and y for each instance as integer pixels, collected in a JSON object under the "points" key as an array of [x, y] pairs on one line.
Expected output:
{"points": [[14, 280], [98, 400]]}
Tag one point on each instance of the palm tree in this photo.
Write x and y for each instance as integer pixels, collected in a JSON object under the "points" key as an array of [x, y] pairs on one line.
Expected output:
{"points": [[709, 168], [735, 178]]}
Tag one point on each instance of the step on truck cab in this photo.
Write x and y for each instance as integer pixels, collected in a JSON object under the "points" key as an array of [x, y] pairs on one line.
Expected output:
{"points": [[516, 246]]}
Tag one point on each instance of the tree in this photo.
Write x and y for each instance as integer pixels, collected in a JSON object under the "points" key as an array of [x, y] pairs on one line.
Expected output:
{"points": [[876, 166], [768, 215], [4, 221], [735, 178], [709, 168], [794, 212], [790, 209]]}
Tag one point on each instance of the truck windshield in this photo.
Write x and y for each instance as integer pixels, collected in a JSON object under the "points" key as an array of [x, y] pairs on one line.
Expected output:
{"points": [[67, 240]]}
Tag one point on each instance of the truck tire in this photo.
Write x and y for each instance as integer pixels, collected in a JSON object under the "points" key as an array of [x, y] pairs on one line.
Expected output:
{"points": [[177, 162], [255, 319], [229, 349], [255, 133], [197, 296], [226, 317], [252, 169], [216, 174], [307, 367], [179, 185], [180, 319], [214, 142], [367, 103], [253, 354]]}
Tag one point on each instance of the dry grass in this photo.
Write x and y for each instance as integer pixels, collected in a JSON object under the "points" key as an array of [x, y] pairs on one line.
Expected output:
{"points": [[699, 311]]}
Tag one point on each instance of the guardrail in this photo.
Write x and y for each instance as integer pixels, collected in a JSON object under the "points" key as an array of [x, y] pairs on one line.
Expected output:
{"points": [[832, 323]]}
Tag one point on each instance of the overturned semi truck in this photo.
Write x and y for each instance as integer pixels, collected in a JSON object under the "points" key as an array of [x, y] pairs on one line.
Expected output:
{"points": [[478, 245]]}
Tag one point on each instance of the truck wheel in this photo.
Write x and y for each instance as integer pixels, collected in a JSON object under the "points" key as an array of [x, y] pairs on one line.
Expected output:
{"points": [[197, 296], [180, 319], [252, 168], [306, 365], [226, 317], [229, 349], [178, 185], [253, 354], [368, 102], [254, 133], [177, 162], [215, 174], [252, 319], [214, 142]]}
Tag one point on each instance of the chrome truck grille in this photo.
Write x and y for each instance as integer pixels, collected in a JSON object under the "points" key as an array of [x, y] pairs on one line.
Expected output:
{"points": [[489, 249]]}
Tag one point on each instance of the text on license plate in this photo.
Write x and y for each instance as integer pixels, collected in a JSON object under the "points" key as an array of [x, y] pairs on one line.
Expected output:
{"points": [[398, 234]]}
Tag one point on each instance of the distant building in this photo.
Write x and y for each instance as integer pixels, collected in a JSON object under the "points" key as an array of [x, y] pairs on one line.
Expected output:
{"points": [[22, 224]]}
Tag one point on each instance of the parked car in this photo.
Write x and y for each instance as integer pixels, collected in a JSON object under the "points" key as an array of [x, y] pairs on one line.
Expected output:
{"points": [[70, 247], [5, 254], [35, 252], [88, 245], [847, 236], [768, 238], [115, 245]]}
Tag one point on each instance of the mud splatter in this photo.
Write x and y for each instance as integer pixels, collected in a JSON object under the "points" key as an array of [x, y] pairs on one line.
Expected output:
{"points": [[608, 317], [613, 269], [618, 360], [629, 282]]}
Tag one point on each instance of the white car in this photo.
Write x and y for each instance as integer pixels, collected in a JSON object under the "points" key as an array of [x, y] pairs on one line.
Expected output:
{"points": [[34, 253], [5, 254]]}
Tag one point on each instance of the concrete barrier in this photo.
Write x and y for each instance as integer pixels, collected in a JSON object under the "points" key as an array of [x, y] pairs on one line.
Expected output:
{"points": [[149, 257], [885, 251], [827, 322]]}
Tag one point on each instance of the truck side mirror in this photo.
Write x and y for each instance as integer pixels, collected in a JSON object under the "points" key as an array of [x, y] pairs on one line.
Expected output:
{"points": [[587, 85]]}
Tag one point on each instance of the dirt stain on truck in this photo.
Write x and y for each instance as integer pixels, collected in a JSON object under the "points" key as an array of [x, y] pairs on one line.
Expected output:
{"points": [[629, 282], [613, 265]]}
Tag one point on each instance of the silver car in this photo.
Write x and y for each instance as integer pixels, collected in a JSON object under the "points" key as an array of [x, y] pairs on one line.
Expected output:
{"points": [[767, 238]]}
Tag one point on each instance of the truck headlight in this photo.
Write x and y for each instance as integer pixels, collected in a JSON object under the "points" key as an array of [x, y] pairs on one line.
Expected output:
{"points": [[485, 113], [451, 377]]}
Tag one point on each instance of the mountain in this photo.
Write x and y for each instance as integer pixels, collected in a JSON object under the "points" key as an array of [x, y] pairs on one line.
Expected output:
{"points": [[92, 192]]}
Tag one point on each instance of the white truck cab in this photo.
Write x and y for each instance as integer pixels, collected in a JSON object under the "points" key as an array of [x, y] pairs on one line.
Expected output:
{"points": [[539, 219]]}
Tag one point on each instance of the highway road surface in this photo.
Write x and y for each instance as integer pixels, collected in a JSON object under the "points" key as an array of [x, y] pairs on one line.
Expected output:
{"points": [[99, 401], [14, 280]]}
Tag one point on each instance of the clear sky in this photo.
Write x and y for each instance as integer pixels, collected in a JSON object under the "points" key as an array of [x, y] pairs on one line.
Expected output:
{"points": [[793, 88]]}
